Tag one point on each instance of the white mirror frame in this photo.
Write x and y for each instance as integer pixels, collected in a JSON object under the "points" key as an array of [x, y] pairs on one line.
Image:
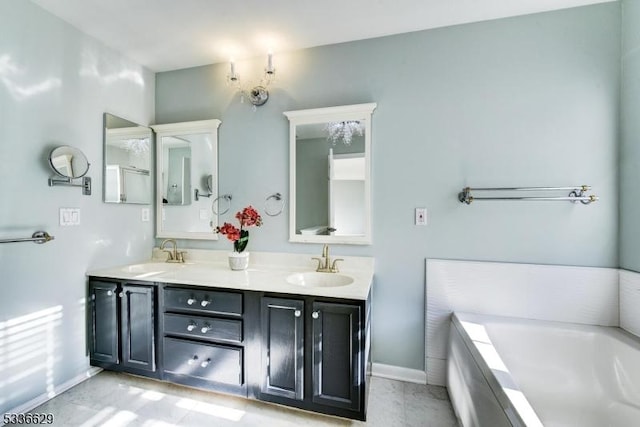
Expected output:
{"points": [[361, 112], [184, 128]]}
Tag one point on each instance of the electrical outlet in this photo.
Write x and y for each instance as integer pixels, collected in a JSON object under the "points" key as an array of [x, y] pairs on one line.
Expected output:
{"points": [[421, 216], [145, 215]]}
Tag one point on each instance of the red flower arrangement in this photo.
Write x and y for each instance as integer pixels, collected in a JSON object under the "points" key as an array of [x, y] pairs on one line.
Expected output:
{"points": [[248, 217]]}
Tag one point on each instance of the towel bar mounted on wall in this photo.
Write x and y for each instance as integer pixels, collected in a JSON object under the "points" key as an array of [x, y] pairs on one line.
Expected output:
{"points": [[37, 237], [214, 204], [274, 204], [576, 194]]}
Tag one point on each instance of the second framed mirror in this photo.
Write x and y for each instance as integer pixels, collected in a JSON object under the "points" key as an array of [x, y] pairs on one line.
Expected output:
{"points": [[186, 179], [330, 174]]}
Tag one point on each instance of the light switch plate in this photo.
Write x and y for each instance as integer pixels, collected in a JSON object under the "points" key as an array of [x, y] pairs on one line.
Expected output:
{"points": [[69, 216]]}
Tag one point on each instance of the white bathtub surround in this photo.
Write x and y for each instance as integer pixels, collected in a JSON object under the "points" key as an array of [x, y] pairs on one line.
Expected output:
{"points": [[585, 295], [630, 301], [267, 272], [542, 373]]}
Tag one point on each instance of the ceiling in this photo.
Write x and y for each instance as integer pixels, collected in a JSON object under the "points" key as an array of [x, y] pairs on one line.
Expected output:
{"points": [[166, 35]]}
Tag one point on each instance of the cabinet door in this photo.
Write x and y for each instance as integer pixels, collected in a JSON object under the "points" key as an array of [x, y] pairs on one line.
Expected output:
{"points": [[336, 355], [282, 347], [137, 327], [104, 322]]}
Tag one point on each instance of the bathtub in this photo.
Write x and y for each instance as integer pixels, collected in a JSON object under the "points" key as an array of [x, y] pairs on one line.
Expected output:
{"points": [[505, 371]]}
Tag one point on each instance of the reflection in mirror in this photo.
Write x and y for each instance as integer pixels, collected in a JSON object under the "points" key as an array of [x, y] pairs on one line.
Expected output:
{"points": [[176, 178], [127, 161], [187, 158], [330, 174], [69, 162]]}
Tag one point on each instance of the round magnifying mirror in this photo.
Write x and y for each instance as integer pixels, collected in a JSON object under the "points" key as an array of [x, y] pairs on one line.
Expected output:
{"points": [[69, 162]]}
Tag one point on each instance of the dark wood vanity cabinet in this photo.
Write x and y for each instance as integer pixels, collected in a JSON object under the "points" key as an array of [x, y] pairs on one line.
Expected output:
{"points": [[303, 351], [203, 338], [337, 355], [282, 347], [313, 354], [122, 330]]}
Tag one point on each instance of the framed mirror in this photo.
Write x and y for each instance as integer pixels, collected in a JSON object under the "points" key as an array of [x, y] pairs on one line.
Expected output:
{"points": [[186, 179], [127, 161], [330, 174]]}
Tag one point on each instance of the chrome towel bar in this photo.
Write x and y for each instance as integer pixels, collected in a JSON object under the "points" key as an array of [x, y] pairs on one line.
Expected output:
{"points": [[576, 194], [37, 237]]}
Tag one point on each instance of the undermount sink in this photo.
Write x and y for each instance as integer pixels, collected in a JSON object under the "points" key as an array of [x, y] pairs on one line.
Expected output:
{"points": [[150, 268], [315, 279]]}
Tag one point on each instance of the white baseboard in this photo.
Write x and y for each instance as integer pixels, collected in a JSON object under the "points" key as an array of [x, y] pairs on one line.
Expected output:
{"points": [[398, 373], [34, 403]]}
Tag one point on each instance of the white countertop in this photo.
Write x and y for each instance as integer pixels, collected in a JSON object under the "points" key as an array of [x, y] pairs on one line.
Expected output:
{"points": [[267, 272]]}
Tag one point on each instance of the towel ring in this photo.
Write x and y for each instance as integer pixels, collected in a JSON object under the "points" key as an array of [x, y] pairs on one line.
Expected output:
{"points": [[226, 197], [278, 209]]}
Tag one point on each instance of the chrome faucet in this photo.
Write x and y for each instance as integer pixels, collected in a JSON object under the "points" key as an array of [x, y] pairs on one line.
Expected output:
{"points": [[324, 264], [174, 255]]}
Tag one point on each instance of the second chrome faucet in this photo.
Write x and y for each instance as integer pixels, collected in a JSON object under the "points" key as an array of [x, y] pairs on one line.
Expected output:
{"points": [[324, 263]]}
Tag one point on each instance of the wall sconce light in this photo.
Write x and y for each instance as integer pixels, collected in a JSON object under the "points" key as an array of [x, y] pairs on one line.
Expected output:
{"points": [[258, 94]]}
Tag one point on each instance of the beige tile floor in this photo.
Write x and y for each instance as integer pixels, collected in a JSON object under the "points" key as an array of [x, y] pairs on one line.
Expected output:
{"points": [[120, 400]]}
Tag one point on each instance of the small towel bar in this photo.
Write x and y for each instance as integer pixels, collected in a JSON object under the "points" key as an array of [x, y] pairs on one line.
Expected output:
{"points": [[37, 237]]}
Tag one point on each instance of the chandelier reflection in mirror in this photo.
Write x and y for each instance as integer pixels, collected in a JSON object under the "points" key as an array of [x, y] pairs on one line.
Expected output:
{"points": [[343, 131], [137, 146], [258, 94]]}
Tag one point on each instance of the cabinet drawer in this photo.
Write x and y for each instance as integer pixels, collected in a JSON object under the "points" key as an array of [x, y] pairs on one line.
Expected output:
{"points": [[204, 327], [203, 361], [203, 300]]}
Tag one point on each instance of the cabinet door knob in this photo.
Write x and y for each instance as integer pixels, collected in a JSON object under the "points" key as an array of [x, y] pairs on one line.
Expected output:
{"points": [[109, 293], [121, 294], [297, 313], [315, 314], [205, 363], [191, 301], [205, 303], [191, 326], [193, 360], [205, 328]]}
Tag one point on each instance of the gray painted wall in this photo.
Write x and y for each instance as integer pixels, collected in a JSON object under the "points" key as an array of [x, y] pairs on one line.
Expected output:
{"points": [[630, 138], [523, 101], [55, 84]]}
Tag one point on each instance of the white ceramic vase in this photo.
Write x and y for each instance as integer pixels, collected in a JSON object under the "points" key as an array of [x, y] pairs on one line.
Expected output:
{"points": [[238, 260]]}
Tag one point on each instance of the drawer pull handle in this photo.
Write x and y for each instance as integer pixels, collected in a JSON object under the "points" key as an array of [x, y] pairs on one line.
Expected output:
{"points": [[191, 326], [297, 313], [191, 301], [315, 314], [205, 363], [205, 303], [193, 360], [205, 328]]}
